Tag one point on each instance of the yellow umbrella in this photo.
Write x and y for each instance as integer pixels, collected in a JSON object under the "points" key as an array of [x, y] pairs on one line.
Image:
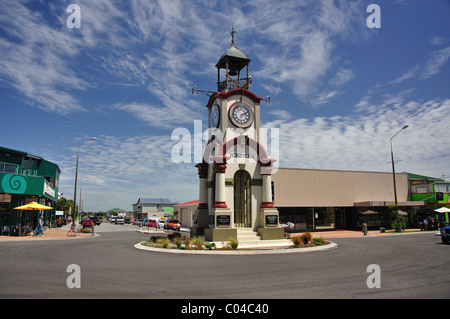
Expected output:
{"points": [[33, 206]]}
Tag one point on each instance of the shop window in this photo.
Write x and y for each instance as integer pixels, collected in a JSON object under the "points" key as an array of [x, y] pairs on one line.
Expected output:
{"points": [[442, 188], [422, 188], [8, 168], [324, 217]]}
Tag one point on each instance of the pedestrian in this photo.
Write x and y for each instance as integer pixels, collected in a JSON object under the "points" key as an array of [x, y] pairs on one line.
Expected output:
{"points": [[425, 222], [40, 227]]}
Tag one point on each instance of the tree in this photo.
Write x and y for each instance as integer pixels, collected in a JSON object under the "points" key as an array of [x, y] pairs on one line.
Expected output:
{"points": [[397, 222], [65, 205]]}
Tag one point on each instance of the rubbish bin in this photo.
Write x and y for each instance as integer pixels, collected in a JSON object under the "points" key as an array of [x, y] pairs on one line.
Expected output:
{"points": [[14, 231], [382, 229]]}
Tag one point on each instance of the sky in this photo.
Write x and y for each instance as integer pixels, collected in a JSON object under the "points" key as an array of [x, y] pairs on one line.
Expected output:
{"points": [[342, 81]]}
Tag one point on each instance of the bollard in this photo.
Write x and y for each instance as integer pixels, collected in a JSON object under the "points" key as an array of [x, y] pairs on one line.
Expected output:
{"points": [[364, 229]]}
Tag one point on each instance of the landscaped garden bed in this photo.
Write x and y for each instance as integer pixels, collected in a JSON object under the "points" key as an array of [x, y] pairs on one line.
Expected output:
{"points": [[176, 241]]}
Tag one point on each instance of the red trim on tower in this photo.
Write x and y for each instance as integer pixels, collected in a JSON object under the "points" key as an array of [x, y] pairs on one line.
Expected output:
{"points": [[220, 205], [267, 205], [226, 95]]}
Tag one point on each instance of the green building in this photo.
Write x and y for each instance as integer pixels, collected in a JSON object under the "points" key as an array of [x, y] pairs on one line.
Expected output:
{"points": [[25, 178], [435, 192]]}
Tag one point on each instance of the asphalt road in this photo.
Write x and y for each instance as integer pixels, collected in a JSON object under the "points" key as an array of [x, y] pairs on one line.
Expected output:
{"points": [[411, 266]]}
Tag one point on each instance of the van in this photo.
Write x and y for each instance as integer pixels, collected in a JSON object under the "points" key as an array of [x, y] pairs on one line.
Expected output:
{"points": [[119, 220]]}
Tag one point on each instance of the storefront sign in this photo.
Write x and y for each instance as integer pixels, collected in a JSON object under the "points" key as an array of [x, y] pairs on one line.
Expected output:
{"points": [[223, 221], [271, 220], [49, 190], [5, 198]]}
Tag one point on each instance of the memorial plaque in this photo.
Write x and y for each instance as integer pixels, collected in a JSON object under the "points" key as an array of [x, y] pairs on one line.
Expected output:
{"points": [[271, 220], [223, 221]]}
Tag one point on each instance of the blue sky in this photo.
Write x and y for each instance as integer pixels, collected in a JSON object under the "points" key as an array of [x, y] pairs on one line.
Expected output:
{"points": [[339, 90]]}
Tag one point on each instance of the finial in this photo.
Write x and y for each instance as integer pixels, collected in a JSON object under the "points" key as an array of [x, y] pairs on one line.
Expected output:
{"points": [[233, 32]]}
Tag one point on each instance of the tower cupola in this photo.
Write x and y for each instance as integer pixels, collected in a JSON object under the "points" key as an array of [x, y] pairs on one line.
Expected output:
{"points": [[234, 61]]}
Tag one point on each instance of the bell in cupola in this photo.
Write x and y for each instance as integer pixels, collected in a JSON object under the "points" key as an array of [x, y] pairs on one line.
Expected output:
{"points": [[232, 70]]}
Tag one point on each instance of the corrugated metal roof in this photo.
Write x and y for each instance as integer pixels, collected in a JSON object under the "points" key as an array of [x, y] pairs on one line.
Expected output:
{"points": [[153, 200]]}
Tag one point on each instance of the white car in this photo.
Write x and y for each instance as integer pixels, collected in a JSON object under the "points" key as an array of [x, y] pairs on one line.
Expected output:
{"points": [[119, 220]]}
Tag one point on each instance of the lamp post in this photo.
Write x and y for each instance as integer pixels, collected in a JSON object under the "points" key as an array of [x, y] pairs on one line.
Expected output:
{"points": [[76, 177], [393, 165]]}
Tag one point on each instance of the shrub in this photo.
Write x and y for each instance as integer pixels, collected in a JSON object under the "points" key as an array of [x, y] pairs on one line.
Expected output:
{"points": [[178, 242], [210, 245], [232, 243], [174, 235], [163, 242], [187, 243], [319, 242], [297, 241], [154, 238], [198, 242], [306, 238]]}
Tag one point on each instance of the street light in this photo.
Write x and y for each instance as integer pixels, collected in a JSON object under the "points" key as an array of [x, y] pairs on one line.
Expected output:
{"points": [[76, 177], [393, 165]]}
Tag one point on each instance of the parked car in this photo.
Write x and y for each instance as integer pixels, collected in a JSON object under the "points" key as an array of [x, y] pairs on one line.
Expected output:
{"points": [[445, 234], [160, 222], [112, 219], [126, 220], [97, 220], [152, 222], [172, 223], [119, 220], [87, 222]]}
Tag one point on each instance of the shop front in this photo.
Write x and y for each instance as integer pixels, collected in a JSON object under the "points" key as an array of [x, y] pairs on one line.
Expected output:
{"points": [[25, 178], [317, 200]]}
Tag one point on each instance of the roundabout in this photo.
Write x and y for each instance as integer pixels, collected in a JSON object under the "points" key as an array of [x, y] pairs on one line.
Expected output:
{"points": [[237, 252]]}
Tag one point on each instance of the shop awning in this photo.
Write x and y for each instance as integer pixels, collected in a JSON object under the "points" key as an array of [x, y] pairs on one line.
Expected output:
{"points": [[388, 203]]}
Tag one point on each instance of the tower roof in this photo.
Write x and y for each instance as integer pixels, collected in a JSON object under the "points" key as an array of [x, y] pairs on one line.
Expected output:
{"points": [[234, 55]]}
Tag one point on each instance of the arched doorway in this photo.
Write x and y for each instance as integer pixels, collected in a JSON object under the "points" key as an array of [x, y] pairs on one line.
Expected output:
{"points": [[242, 199]]}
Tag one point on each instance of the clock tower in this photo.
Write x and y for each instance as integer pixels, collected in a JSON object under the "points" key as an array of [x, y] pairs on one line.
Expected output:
{"points": [[235, 175]]}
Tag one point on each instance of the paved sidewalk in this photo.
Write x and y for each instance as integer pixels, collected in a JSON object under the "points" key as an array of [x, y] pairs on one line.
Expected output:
{"points": [[353, 233], [53, 233]]}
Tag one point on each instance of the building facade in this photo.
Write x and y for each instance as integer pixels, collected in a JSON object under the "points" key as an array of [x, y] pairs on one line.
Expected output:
{"points": [[152, 207], [25, 178], [312, 199], [435, 192]]}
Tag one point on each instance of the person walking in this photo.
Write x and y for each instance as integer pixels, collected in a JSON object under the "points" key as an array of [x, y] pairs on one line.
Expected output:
{"points": [[40, 227]]}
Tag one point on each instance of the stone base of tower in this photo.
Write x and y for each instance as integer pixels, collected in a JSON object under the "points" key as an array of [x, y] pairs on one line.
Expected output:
{"points": [[219, 222], [218, 234], [269, 227], [271, 233]]}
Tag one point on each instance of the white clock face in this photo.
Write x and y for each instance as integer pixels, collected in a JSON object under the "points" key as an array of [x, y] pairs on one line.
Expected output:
{"points": [[241, 114], [214, 116]]}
